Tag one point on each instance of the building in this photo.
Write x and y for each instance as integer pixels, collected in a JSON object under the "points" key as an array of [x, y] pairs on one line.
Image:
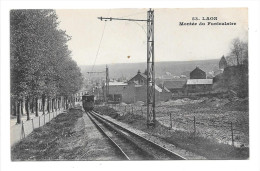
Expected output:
{"points": [[198, 85], [79, 94], [160, 94], [175, 86], [223, 63], [139, 78], [135, 90], [121, 92], [140, 83], [197, 73]]}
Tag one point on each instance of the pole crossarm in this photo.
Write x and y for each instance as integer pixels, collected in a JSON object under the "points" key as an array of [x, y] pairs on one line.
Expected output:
{"points": [[110, 19], [151, 115], [106, 86], [96, 72]]}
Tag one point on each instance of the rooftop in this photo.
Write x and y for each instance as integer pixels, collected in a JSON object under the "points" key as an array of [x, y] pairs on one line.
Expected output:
{"points": [[199, 81], [115, 83], [174, 83]]}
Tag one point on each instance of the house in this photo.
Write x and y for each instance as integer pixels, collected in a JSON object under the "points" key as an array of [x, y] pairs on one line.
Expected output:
{"points": [[135, 90], [160, 94], [140, 83], [139, 78], [197, 73], [121, 92], [198, 85]]}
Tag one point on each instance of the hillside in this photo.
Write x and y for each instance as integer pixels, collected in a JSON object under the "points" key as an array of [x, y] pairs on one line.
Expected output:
{"points": [[176, 68]]}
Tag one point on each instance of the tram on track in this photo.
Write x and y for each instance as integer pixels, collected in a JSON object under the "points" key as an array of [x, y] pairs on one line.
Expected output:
{"points": [[88, 102]]}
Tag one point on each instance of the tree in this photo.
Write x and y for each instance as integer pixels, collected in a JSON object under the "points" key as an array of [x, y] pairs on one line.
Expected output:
{"points": [[239, 49], [29, 40], [41, 65]]}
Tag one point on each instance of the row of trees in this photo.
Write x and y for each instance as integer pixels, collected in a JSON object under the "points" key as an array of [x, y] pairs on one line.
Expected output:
{"points": [[41, 64]]}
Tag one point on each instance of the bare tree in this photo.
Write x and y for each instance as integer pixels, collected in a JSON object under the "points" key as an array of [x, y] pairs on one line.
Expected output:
{"points": [[245, 52], [239, 50]]}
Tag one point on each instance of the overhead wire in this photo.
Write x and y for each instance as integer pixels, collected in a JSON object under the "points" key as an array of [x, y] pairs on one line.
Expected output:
{"points": [[140, 26], [104, 31], [135, 21], [99, 44]]}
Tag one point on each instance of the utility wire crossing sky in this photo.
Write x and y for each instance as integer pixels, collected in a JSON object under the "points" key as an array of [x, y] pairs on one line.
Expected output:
{"points": [[176, 39]]}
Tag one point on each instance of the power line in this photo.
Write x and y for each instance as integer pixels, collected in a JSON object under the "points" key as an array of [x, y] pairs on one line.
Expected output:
{"points": [[99, 47], [151, 115], [140, 26], [100, 43]]}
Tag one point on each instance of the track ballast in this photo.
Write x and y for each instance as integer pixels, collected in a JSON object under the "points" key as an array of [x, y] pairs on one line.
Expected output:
{"points": [[130, 145]]}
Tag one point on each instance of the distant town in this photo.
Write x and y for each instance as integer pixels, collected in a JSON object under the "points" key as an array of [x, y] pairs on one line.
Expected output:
{"points": [[225, 76]]}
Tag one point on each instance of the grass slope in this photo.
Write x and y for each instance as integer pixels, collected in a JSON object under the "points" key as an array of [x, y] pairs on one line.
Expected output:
{"points": [[198, 145], [48, 141]]}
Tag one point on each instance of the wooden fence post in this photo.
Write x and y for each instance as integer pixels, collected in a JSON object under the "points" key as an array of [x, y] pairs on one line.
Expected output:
{"points": [[39, 121], [194, 123], [232, 133], [32, 125], [22, 132], [171, 119]]}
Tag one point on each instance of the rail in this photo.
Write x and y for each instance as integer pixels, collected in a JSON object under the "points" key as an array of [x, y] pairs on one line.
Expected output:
{"points": [[170, 154]]}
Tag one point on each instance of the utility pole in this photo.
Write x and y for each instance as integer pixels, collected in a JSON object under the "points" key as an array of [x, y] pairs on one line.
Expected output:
{"points": [[107, 82], [150, 64]]}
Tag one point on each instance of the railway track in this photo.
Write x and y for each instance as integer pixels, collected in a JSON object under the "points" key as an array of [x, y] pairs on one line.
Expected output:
{"points": [[130, 145]]}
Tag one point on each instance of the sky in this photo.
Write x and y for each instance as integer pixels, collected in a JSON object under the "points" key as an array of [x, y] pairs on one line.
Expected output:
{"points": [[173, 42]]}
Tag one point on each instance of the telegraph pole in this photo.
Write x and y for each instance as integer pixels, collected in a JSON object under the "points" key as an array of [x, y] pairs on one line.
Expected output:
{"points": [[150, 64], [150, 70], [107, 82]]}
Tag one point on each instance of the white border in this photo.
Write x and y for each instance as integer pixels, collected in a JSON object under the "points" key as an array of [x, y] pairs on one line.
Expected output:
{"points": [[252, 163]]}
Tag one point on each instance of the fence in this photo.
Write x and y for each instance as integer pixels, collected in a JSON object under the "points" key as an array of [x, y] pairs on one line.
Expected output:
{"points": [[128, 109], [225, 131], [20, 131]]}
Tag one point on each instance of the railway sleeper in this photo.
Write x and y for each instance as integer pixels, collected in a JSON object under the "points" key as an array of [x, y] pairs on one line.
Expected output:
{"points": [[147, 155], [162, 150]]}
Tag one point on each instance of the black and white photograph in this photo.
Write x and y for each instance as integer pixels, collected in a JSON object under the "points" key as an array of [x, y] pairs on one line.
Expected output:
{"points": [[129, 84]]}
